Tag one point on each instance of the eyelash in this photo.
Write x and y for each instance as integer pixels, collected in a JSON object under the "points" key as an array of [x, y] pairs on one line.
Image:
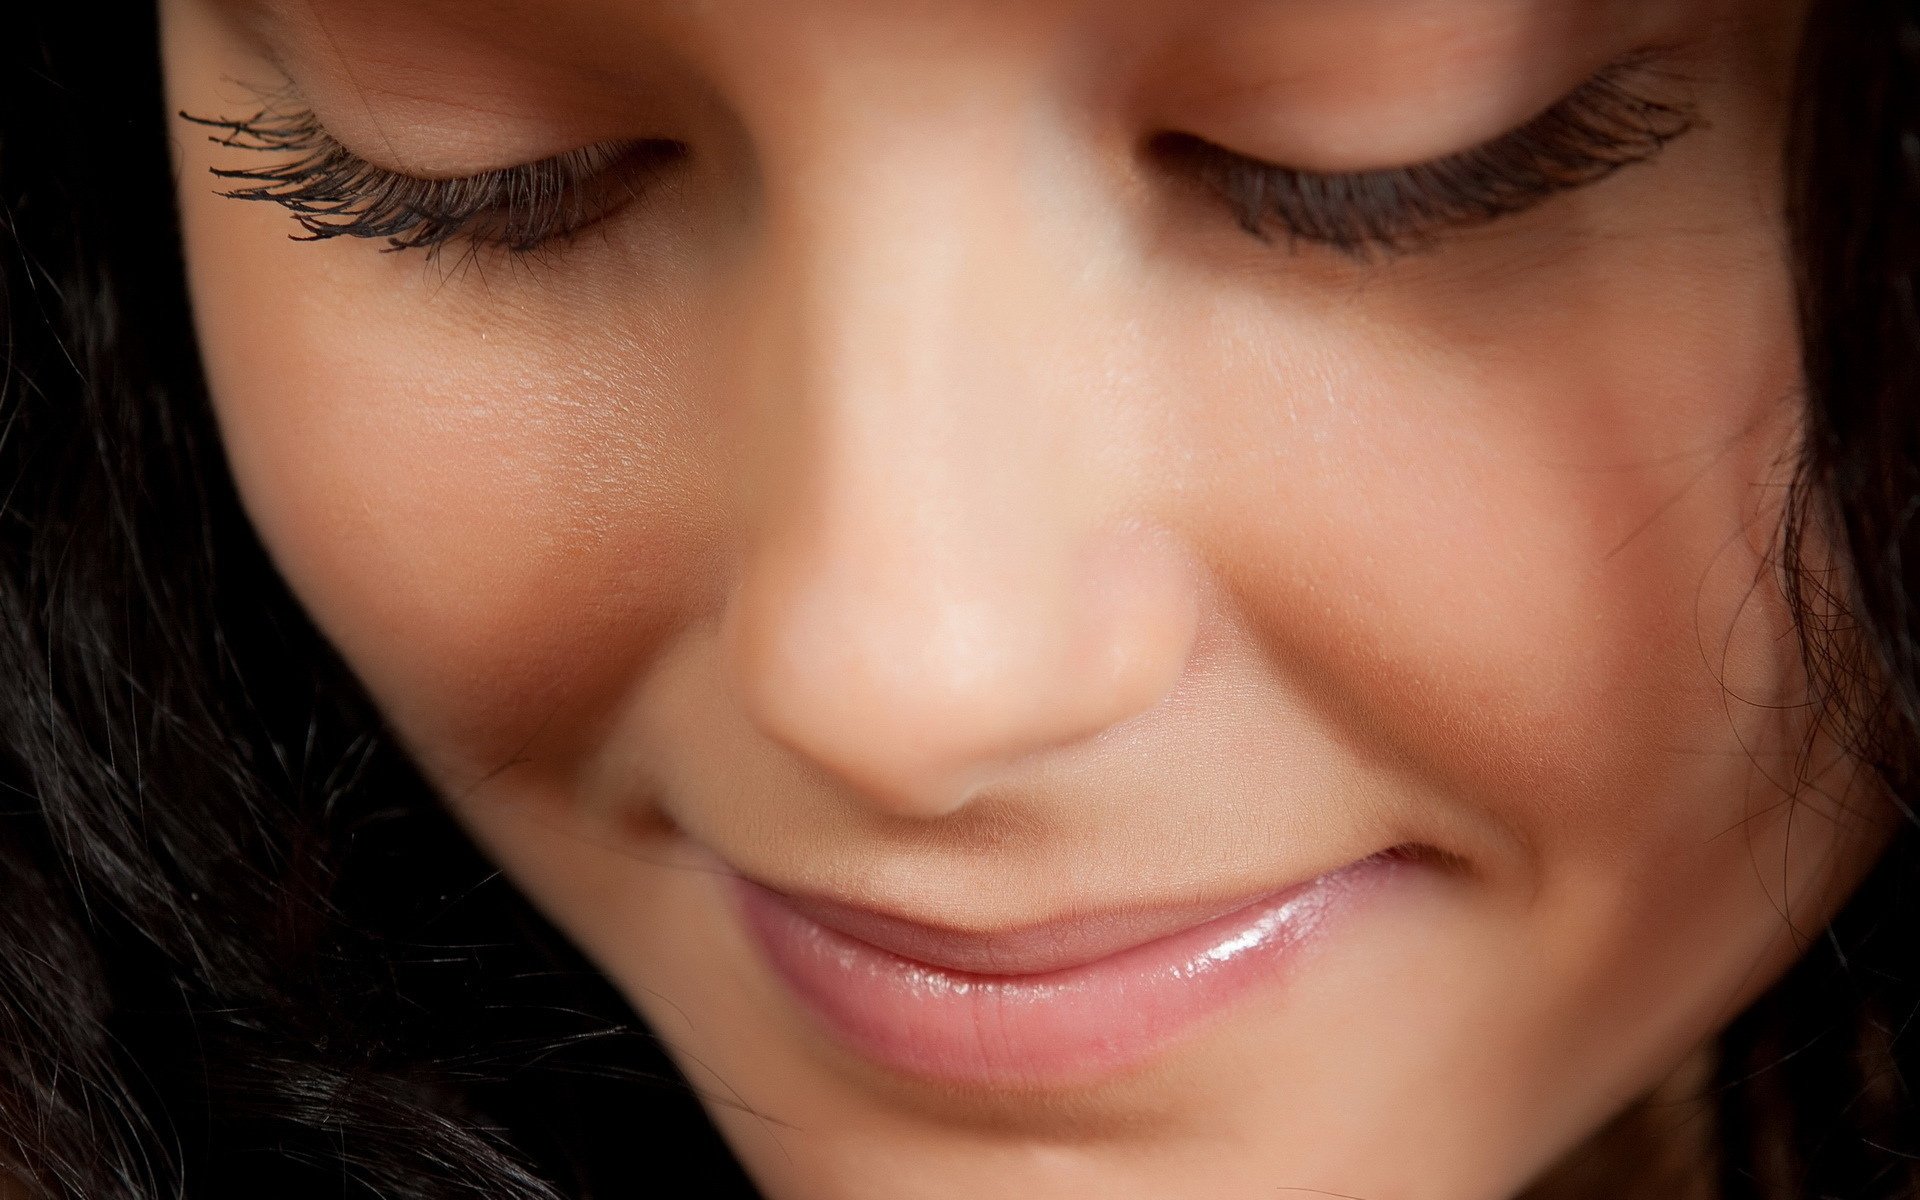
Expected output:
{"points": [[1602, 126], [333, 192]]}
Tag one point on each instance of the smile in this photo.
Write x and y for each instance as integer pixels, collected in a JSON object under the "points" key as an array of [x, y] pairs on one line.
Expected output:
{"points": [[1059, 1004]]}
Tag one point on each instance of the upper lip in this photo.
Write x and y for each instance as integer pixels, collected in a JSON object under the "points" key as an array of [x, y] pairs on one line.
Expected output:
{"points": [[1031, 949]]}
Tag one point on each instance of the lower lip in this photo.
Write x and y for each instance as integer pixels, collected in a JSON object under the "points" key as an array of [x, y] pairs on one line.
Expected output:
{"points": [[1060, 1028]]}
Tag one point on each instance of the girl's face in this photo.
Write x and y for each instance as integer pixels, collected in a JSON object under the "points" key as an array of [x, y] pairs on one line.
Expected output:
{"points": [[1234, 660]]}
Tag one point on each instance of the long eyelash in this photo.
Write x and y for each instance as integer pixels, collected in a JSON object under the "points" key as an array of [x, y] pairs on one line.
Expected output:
{"points": [[1603, 126], [332, 192]]}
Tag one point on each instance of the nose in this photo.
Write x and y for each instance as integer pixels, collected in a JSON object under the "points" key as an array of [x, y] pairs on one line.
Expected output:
{"points": [[950, 568]]}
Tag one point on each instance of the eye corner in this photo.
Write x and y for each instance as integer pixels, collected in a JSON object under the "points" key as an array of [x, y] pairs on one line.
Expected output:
{"points": [[1223, 175], [1639, 102]]}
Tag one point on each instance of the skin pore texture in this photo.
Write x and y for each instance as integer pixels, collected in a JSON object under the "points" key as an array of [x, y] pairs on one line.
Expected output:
{"points": [[919, 499]]}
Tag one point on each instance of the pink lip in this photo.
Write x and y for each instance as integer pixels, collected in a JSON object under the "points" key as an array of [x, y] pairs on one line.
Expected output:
{"points": [[1051, 1005]]}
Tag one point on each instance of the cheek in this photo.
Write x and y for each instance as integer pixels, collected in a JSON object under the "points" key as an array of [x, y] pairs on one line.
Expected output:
{"points": [[1523, 545], [493, 517]]}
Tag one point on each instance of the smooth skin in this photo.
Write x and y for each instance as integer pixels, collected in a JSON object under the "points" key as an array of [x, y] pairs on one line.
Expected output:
{"points": [[922, 498]]}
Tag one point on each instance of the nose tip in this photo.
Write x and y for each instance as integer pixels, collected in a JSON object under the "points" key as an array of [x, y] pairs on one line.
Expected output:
{"points": [[916, 679]]}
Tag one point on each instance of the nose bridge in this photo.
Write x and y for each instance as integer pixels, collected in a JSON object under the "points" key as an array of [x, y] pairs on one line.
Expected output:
{"points": [[916, 361], [931, 588]]}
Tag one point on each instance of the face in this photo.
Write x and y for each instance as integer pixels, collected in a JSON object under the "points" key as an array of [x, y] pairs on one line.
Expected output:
{"points": [[1137, 599]]}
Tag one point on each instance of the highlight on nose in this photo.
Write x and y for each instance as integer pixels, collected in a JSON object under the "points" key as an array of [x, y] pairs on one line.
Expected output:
{"points": [[915, 672]]}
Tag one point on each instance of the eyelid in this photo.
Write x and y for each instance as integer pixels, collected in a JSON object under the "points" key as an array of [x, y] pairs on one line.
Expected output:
{"points": [[432, 177], [1615, 118], [285, 107]]}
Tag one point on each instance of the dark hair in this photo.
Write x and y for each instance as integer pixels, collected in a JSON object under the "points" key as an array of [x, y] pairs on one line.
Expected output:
{"points": [[243, 952], [1814, 1093]]}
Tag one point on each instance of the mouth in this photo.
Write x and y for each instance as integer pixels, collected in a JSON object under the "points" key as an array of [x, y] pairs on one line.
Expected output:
{"points": [[1059, 1004]]}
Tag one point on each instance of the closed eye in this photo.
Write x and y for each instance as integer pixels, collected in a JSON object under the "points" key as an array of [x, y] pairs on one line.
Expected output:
{"points": [[333, 192], [1611, 121]]}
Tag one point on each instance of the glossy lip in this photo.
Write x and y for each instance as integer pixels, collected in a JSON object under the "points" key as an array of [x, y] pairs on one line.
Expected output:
{"points": [[1061, 1004]]}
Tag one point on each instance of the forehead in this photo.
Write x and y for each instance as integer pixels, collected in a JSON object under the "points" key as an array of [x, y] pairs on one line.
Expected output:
{"points": [[537, 27]]}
